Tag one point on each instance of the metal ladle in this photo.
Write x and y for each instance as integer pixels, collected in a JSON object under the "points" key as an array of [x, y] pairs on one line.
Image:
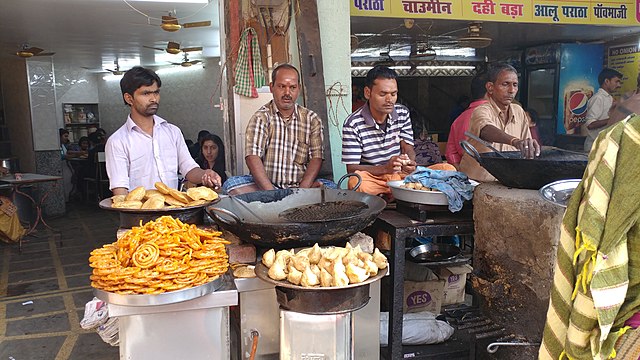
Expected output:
{"points": [[485, 143]]}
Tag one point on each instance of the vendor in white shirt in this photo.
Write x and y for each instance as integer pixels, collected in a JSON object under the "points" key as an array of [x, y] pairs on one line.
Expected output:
{"points": [[147, 149], [600, 105]]}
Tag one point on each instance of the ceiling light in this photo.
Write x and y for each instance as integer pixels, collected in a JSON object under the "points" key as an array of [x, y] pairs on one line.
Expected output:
{"points": [[176, 1]]}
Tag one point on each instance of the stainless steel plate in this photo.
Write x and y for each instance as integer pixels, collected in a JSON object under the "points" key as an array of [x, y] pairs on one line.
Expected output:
{"points": [[419, 196], [262, 272], [107, 205], [559, 192], [170, 297]]}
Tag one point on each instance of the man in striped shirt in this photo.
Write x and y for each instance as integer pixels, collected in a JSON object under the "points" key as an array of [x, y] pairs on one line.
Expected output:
{"points": [[377, 139], [283, 141]]}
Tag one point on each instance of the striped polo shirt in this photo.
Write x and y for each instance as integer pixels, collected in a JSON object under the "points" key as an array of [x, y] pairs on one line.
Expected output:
{"points": [[365, 143]]}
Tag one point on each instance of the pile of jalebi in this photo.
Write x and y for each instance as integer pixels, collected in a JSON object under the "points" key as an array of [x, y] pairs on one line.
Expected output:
{"points": [[159, 256]]}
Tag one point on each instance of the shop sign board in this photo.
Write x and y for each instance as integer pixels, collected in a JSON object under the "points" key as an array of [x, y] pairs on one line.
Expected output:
{"points": [[626, 59], [616, 12]]}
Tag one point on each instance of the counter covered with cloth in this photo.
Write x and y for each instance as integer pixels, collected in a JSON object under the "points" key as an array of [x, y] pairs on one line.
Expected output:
{"points": [[596, 285], [454, 184]]}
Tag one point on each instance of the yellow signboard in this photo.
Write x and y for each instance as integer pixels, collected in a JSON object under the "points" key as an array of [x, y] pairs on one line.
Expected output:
{"points": [[607, 12], [626, 59]]}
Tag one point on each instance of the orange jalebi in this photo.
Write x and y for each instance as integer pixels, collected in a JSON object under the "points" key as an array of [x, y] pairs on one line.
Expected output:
{"points": [[159, 256]]}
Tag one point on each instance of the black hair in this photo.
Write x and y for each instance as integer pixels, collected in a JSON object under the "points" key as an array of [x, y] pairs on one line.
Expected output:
{"points": [[478, 86], [497, 68], [202, 134], [608, 73], [220, 163], [283, 66], [96, 137], [83, 138], [379, 72], [137, 77], [62, 131]]}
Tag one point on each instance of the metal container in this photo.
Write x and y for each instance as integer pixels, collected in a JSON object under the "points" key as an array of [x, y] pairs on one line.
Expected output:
{"points": [[559, 192], [193, 329], [426, 253], [12, 164], [132, 217], [306, 336]]}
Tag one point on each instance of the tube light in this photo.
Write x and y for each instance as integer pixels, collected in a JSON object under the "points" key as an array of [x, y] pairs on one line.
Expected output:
{"points": [[447, 67]]}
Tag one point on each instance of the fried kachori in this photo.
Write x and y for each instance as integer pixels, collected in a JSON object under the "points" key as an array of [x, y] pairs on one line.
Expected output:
{"points": [[136, 194], [202, 193]]}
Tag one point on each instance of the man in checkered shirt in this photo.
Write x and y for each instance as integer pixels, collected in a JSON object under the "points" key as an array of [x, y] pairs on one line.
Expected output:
{"points": [[377, 139], [283, 141]]}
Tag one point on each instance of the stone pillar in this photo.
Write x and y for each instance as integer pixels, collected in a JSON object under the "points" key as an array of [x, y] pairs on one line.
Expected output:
{"points": [[516, 236]]}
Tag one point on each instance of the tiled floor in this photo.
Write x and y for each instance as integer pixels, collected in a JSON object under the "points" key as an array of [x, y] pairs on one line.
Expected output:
{"points": [[43, 290]]}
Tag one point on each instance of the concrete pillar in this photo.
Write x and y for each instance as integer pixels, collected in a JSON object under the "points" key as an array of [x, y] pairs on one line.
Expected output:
{"points": [[516, 235]]}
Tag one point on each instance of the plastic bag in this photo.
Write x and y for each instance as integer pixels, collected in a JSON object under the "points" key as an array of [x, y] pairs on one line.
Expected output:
{"points": [[417, 329], [96, 313]]}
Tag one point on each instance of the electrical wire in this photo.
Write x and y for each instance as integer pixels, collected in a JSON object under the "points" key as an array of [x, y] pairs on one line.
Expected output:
{"points": [[149, 18]]}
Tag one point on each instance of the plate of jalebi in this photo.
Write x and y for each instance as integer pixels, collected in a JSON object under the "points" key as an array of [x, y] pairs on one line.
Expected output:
{"points": [[161, 262]]}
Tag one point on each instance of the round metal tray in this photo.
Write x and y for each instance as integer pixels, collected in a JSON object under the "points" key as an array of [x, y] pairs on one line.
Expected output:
{"points": [[559, 192], [132, 217], [170, 297], [426, 197], [106, 204], [263, 273]]}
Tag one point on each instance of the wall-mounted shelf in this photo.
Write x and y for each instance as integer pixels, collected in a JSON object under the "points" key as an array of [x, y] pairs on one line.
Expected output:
{"points": [[80, 119]]}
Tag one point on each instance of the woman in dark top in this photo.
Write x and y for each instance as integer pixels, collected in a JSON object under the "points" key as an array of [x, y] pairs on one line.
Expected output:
{"points": [[212, 155]]}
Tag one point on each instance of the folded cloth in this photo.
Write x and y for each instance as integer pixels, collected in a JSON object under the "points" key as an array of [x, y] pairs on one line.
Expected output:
{"points": [[596, 283], [454, 184]]}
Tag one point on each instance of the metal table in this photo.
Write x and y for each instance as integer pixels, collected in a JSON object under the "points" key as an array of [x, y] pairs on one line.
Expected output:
{"points": [[400, 227], [28, 179]]}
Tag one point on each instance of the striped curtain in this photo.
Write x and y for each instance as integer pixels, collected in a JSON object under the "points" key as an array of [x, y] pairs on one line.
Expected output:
{"points": [[249, 74]]}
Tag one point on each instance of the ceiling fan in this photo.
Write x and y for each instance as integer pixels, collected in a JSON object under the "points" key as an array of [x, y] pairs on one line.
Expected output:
{"points": [[170, 23], [27, 51], [475, 37], [174, 48], [186, 63], [117, 70]]}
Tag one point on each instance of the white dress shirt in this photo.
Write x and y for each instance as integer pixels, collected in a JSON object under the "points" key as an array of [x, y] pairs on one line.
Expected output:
{"points": [[135, 158], [597, 109]]}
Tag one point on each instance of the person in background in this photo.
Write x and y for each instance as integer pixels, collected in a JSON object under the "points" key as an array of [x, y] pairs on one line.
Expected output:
{"points": [[67, 151], [357, 101], [283, 141], [594, 307], [499, 122], [629, 104], [377, 139], [427, 151], [212, 155], [194, 149], [147, 149], [600, 104], [461, 104], [82, 146], [454, 151], [532, 116]]}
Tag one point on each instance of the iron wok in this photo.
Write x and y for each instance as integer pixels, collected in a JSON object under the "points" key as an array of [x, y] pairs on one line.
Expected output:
{"points": [[513, 171], [254, 217]]}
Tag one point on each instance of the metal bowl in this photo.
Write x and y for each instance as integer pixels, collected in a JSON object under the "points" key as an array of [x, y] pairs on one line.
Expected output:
{"points": [[132, 217], [559, 192], [427, 253], [320, 300]]}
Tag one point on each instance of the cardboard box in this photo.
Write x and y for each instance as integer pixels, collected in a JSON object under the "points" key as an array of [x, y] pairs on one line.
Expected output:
{"points": [[423, 296], [455, 278]]}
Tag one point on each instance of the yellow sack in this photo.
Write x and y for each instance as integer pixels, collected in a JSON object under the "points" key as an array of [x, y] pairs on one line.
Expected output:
{"points": [[10, 228]]}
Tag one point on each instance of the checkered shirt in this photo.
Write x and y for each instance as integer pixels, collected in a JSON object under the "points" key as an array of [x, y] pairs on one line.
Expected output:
{"points": [[285, 146]]}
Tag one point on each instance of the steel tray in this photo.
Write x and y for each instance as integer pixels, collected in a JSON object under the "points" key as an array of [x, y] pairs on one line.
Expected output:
{"points": [[559, 192], [419, 196], [170, 297]]}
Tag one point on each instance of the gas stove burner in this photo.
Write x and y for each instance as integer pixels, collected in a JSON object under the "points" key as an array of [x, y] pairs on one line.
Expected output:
{"points": [[328, 211]]}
